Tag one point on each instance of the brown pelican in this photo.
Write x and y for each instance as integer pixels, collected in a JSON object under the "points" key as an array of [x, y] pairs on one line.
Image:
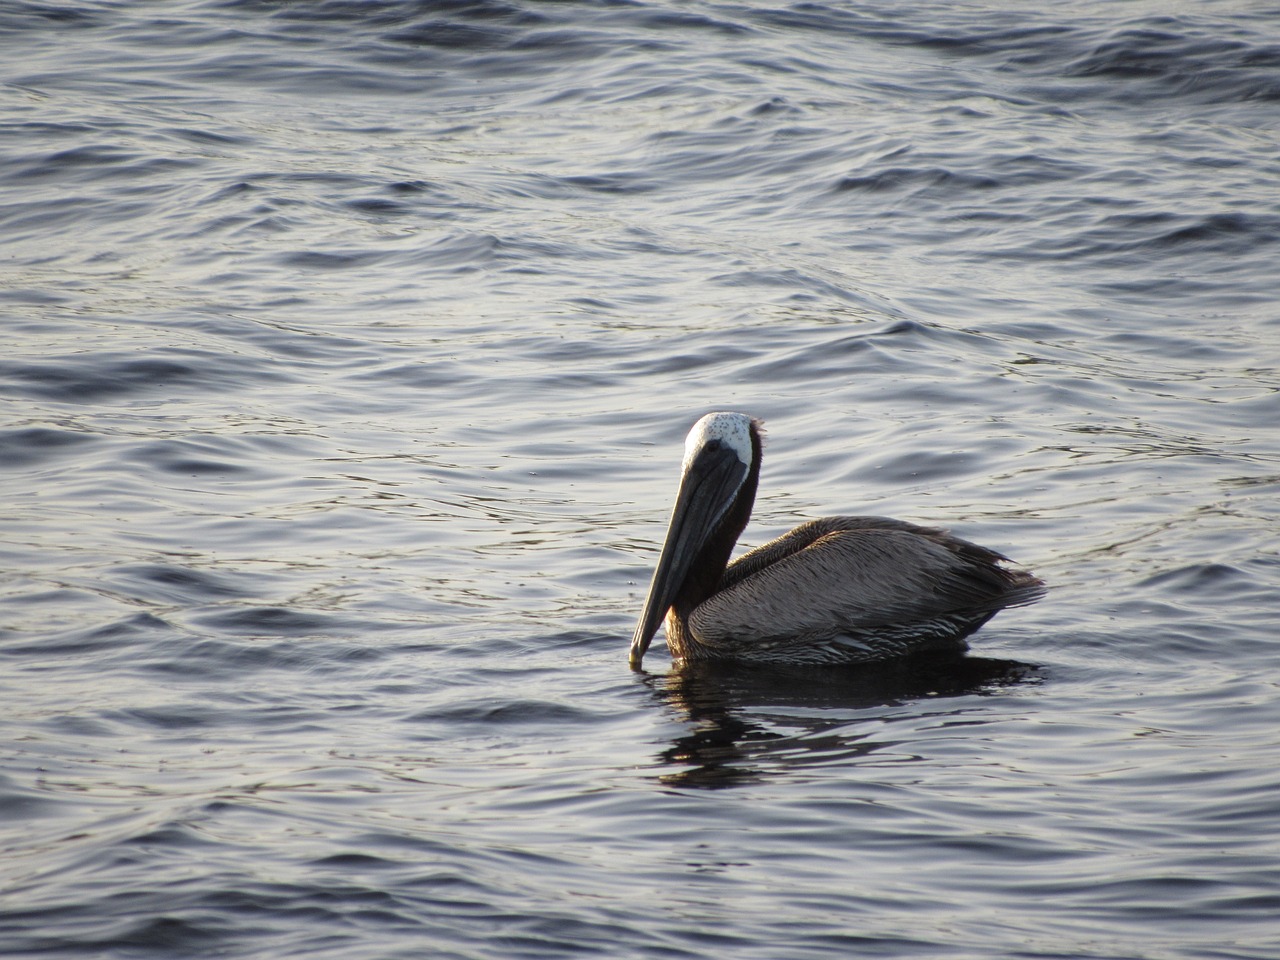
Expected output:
{"points": [[834, 590]]}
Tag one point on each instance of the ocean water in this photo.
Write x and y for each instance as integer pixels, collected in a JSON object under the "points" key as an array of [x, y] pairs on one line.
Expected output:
{"points": [[346, 354]]}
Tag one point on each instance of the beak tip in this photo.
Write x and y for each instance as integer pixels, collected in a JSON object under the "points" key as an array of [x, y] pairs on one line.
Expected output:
{"points": [[636, 654]]}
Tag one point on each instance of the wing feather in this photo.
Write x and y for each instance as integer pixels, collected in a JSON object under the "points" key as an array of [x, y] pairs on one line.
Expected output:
{"points": [[851, 576]]}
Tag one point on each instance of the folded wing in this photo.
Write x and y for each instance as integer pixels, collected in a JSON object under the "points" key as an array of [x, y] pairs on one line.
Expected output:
{"points": [[849, 580]]}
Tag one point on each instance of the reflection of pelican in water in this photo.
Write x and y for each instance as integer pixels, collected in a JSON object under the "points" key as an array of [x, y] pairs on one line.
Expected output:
{"points": [[835, 590], [746, 724]]}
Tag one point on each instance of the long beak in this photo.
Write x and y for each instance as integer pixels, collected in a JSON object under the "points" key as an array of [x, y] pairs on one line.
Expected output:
{"points": [[710, 482]]}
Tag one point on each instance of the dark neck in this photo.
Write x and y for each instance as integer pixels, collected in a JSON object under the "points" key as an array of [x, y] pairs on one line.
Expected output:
{"points": [[708, 568]]}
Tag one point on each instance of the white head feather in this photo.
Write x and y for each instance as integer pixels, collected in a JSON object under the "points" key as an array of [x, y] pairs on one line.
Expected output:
{"points": [[731, 429]]}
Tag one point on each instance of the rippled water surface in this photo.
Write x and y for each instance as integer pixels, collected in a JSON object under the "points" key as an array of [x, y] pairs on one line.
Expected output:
{"points": [[346, 354]]}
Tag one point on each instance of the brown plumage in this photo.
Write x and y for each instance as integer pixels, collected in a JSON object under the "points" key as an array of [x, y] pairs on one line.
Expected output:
{"points": [[834, 590]]}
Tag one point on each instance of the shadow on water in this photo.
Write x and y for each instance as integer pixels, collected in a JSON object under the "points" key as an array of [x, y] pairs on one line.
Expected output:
{"points": [[748, 723]]}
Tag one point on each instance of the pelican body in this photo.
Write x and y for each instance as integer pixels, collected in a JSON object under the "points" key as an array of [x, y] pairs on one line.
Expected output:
{"points": [[834, 590]]}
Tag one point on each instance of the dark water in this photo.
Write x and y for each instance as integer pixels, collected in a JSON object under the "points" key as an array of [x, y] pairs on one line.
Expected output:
{"points": [[346, 352]]}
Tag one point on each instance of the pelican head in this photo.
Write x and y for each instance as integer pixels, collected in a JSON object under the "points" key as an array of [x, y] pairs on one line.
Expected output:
{"points": [[717, 489]]}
